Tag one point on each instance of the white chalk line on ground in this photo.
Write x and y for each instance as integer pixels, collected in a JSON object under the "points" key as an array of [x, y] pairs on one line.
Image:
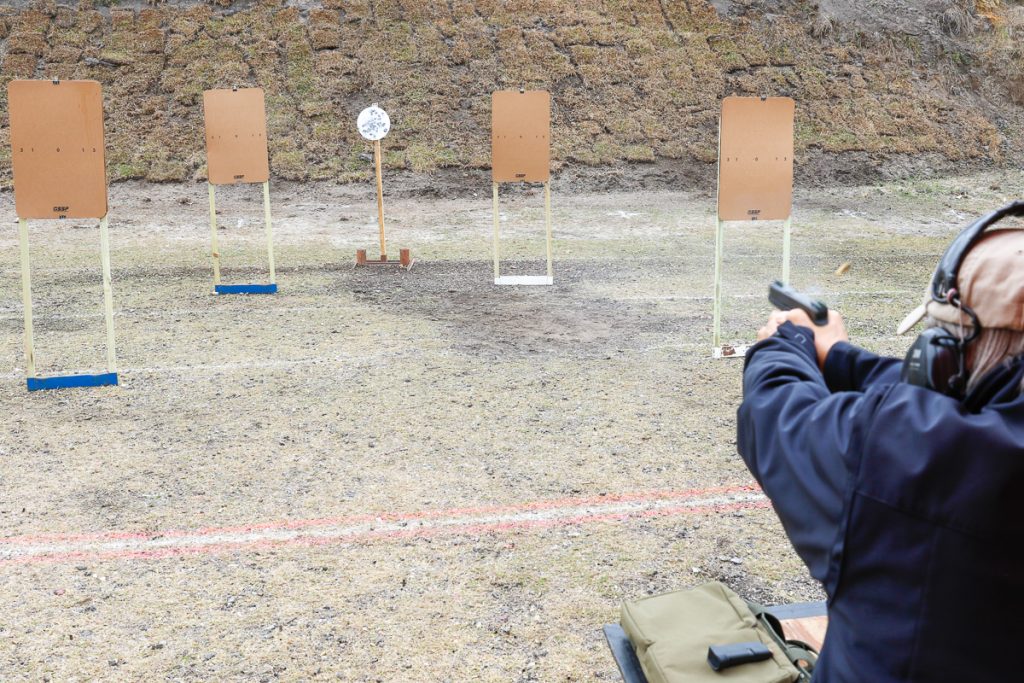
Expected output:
{"points": [[367, 528], [827, 295], [706, 251], [17, 314], [227, 367], [126, 372]]}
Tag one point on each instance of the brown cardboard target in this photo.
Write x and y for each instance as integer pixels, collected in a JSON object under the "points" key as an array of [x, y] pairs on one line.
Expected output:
{"points": [[755, 159], [57, 155], [236, 136], [520, 136]]}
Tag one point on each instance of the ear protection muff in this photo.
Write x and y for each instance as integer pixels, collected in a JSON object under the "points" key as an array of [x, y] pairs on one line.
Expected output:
{"points": [[933, 362], [937, 360]]}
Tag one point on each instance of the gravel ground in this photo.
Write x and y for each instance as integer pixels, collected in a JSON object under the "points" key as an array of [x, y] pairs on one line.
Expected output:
{"points": [[389, 398]]}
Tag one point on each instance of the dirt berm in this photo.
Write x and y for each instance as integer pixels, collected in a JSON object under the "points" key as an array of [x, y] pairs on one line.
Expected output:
{"points": [[884, 89]]}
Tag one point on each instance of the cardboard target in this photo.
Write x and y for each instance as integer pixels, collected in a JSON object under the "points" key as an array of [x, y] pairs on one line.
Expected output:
{"points": [[57, 154], [236, 136], [520, 136], [755, 159]]}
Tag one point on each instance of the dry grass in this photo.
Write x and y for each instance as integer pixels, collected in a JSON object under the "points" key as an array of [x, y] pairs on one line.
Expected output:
{"points": [[434, 65], [956, 20]]}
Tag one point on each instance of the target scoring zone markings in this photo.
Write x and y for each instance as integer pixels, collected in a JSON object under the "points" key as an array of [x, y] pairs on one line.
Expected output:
{"points": [[373, 123]]}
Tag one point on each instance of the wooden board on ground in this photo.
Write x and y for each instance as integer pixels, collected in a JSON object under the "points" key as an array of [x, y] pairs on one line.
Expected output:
{"points": [[755, 159], [57, 153], [520, 136], [811, 630], [236, 136]]}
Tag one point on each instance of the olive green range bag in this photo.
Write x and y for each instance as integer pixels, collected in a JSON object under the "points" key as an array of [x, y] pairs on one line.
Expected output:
{"points": [[672, 632]]}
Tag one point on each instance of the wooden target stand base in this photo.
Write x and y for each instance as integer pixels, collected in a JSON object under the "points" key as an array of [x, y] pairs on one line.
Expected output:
{"points": [[500, 279], [109, 378], [218, 288], [404, 257]]}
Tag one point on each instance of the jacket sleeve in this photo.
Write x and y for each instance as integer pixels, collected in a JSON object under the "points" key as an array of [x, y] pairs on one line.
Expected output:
{"points": [[850, 368], [799, 440]]}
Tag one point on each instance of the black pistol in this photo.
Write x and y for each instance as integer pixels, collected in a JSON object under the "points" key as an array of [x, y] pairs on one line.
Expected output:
{"points": [[785, 298]]}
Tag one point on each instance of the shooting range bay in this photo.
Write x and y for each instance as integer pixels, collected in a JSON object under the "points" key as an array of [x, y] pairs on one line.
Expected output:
{"points": [[312, 457]]}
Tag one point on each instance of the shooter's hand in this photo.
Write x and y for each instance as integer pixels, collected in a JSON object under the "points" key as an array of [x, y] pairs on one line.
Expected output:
{"points": [[825, 337]]}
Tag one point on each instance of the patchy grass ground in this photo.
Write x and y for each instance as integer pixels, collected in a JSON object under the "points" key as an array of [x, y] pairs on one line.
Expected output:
{"points": [[382, 410]]}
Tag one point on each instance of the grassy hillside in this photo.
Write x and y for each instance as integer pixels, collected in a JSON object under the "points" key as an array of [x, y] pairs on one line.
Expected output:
{"points": [[633, 81]]}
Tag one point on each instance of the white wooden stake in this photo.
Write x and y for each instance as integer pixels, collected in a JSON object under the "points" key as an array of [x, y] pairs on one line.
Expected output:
{"points": [[547, 222], [380, 200], [496, 241], [214, 246], [108, 298], [26, 298], [717, 305], [270, 232], [786, 230]]}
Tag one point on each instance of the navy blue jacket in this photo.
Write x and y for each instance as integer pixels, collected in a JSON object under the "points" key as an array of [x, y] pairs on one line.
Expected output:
{"points": [[907, 505]]}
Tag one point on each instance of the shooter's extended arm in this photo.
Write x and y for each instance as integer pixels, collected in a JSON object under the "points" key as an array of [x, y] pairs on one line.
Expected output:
{"points": [[785, 298]]}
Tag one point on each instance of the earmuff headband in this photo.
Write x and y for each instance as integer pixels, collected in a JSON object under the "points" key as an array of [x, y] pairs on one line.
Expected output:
{"points": [[944, 286]]}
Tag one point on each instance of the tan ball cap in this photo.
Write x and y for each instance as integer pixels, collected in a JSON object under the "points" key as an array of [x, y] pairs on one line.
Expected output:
{"points": [[991, 282]]}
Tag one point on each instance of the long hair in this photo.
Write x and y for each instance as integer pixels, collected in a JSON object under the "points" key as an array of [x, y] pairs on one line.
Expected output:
{"points": [[992, 347]]}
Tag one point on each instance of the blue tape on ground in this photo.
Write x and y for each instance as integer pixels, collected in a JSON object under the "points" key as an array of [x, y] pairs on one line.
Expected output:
{"points": [[245, 289], [71, 381]]}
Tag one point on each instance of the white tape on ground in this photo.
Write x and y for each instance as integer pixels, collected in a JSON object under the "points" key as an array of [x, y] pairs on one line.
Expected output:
{"points": [[320, 532]]}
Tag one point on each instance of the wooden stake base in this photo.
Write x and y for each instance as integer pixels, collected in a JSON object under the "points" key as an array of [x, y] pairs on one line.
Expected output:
{"points": [[730, 351], [404, 259]]}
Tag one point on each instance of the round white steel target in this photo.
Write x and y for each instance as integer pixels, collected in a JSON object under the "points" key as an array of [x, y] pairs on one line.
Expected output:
{"points": [[373, 123]]}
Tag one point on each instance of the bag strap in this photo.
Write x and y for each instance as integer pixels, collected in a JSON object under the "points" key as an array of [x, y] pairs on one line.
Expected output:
{"points": [[761, 613], [803, 656]]}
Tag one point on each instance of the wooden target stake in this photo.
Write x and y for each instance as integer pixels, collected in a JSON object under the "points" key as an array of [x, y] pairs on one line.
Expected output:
{"points": [[108, 297], [380, 200], [57, 152], [547, 226], [521, 152], [215, 247], [26, 298], [270, 233], [755, 183], [236, 153], [373, 124], [497, 230]]}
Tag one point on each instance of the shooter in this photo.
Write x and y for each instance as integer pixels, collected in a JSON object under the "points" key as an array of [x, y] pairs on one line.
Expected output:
{"points": [[899, 483]]}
